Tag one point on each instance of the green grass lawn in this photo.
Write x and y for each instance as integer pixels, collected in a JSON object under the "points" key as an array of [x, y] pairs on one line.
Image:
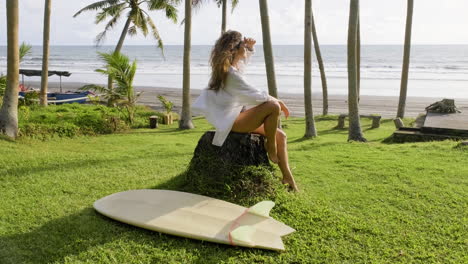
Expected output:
{"points": [[359, 203]]}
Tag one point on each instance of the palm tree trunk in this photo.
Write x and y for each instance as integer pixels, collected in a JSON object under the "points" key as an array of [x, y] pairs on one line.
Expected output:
{"points": [[323, 77], [358, 54], [355, 132], [45, 53], [185, 121], [118, 49], [267, 49], [309, 113], [406, 61], [223, 25], [9, 109]]}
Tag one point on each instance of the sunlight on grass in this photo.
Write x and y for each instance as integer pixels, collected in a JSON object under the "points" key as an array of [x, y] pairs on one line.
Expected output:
{"points": [[372, 202]]}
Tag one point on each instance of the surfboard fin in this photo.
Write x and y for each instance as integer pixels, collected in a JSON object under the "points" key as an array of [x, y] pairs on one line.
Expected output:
{"points": [[243, 235], [262, 208]]}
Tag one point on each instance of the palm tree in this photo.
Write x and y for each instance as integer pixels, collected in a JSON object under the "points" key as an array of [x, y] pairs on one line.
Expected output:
{"points": [[267, 49], [9, 109], [137, 18], [185, 121], [358, 54], [24, 50], [406, 61], [45, 53], [323, 77], [309, 113], [223, 4], [122, 71], [355, 132]]}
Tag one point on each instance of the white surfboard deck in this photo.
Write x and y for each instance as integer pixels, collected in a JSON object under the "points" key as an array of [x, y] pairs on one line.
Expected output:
{"points": [[194, 216]]}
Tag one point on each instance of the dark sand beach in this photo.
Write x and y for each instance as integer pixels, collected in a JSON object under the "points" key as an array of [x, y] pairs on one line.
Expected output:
{"points": [[383, 105]]}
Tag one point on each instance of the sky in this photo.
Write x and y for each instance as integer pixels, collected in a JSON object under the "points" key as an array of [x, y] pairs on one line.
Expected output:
{"points": [[382, 22]]}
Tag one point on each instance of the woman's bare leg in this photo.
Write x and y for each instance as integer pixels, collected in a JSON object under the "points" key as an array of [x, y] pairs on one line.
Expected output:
{"points": [[283, 163], [266, 114]]}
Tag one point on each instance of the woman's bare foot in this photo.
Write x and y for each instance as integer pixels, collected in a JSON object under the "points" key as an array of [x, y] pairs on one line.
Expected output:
{"points": [[271, 150], [291, 184]]}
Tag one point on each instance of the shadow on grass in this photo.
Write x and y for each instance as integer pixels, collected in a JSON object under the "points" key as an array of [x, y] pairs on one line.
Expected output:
{"points": [[7, 138], [71, 235], [27, 169]]}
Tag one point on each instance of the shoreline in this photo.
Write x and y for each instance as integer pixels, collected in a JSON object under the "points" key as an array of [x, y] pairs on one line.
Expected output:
{"points": [[369, 104]]}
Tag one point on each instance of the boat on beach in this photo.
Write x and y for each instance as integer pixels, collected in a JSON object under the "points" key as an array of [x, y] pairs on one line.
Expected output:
{"points": [[55, 97], [63, 98]]}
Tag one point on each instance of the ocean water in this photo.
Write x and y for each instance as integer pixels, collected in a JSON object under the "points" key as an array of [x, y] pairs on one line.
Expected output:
{"points": [[435, 71]]}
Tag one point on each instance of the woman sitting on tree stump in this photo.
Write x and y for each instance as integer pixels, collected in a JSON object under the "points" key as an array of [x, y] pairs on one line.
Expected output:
{"points": [[231, 104]]}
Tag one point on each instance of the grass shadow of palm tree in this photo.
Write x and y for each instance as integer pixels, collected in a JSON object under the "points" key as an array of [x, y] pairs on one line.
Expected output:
{"points": [[85, 230], [7, 138]]}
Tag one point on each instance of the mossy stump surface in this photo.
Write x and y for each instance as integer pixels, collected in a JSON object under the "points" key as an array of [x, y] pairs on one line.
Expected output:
{"points": [[239, 171]]}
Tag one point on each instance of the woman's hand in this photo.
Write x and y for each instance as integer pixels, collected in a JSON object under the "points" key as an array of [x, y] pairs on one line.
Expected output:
{"points": [[249, 43], [284, 108]]}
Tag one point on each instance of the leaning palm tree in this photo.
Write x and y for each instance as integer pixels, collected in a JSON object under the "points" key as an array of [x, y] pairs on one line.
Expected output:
{"points": [[406, 61], [355, 132], [45, 53], [267, 49], [9, 109], [323, 77], [185, 121], [137, 18], [309, 113]]}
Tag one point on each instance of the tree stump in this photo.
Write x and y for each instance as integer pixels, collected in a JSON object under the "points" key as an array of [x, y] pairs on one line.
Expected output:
{"points": [[153, 122], [238, 149], [238, 171], [444, 106], [398, 123], [376, 121]]}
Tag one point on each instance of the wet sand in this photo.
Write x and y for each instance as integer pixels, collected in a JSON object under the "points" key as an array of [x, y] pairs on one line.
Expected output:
{"points": [[383, 105]]}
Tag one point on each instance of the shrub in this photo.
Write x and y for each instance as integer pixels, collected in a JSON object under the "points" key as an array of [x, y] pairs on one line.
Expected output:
{"points": [[71, 120]]}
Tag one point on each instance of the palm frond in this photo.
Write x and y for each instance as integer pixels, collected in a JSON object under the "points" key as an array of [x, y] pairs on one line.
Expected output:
{"points": [[171, 13], [141, 22], [24, 50], [132, 31], [93, 87], [155, 33], [111, 11], [110, 25], [234, 4], [168, 6], [97, 6]]}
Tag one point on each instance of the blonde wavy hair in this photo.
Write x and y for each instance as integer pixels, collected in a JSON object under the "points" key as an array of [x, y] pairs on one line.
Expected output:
{"points": [[222, 56]]}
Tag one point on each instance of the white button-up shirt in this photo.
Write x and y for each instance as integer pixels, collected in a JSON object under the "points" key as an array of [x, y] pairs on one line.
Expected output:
{"points": [[222, 107]]}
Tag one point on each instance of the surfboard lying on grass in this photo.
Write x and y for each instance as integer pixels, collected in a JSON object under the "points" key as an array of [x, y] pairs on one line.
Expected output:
{"points": [[198, 217]]}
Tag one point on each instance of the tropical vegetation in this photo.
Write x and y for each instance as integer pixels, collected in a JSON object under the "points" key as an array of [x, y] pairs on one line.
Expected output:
{"points": [[137, 19], [378, 202], [119, 68]]}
